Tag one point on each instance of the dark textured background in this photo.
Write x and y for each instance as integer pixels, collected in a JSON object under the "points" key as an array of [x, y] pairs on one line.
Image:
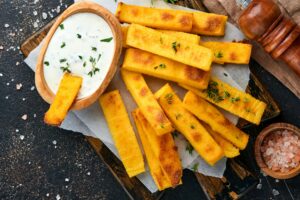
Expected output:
{"points": [[37, 168]]}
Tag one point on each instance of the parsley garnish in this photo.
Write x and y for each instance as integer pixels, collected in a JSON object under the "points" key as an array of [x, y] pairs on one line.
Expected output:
{"points": [[226, 94], [246, 100], [94, 49], [162, 126], [169, 98], [195, 167], [61, 26], [219, 54], [189, 148], [62, 60], [175, 45], [192, 126], [161, 66], [177, 116], [99, 56], [213, 92], [234, 99], [225, 74], [80, 57], [84, 64], [66, 68], [106, 39], [46, 63], [170, 1], [94, 68], [161, 40], [63, 45], [78, 36]]}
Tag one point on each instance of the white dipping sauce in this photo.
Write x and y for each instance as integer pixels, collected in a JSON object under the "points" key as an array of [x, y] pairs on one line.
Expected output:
{"points": [[76, 47]]}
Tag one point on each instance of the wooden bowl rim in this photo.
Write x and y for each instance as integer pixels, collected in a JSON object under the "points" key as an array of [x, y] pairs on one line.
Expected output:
{"points": [[259, 159], [115, 26]]}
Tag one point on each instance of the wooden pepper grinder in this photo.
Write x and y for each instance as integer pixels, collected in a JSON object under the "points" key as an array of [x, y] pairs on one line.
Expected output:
{"points": [[264, 22]]}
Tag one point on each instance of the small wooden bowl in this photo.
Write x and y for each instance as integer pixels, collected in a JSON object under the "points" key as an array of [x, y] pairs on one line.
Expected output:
{"points": [[257, 149], [115, 26]]}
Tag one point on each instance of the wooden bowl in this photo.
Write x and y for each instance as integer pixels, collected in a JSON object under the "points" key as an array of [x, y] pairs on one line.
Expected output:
{"points": [[257, 148], [115, 26]]}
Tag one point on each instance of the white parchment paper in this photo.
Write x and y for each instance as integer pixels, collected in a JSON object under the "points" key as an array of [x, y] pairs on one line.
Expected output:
{"points": [[91, 122]]}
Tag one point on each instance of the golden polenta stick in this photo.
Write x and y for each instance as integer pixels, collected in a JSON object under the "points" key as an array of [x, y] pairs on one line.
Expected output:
{"points": [[155, 17], [215, 119], [122, 132], [189, 126], [153, 41], [147, 63], [230, 52], [146, 101], [230, 151], [164, 150], [158, 175], [231, 99], [209, 23], [180, 36], [67, 92]]}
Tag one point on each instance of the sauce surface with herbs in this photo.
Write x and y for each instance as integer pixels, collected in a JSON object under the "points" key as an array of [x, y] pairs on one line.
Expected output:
{"points": [[82, 45]]}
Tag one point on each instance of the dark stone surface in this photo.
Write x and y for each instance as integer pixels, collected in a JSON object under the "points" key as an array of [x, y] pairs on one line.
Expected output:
{"points": [[35, 166]]}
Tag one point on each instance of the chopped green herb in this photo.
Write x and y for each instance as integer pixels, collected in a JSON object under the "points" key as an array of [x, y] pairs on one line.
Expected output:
{"points": [[80, 57], [94, 68], [92, 60], [219, 54], [225, 74], [195, 167], [94, 49], [169, 98], [175, 134], [62, 60], [99, 56], [162, 126], [175, 45], [63, 45], [84, 64], [161, 40], [66, 68], [79, 36], [189, 148], [213, 92], [61, 26], [161, 66], [46, 63], [248, 110], [192, 126], [226, 94], [177, 116], [234, 99], [106, 39]]}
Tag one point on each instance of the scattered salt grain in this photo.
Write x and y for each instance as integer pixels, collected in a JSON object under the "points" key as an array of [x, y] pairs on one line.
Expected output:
{"points": [[32, 88], [1, 47], [67, 179], [21, 29], [47, 195], [44, 15], [21, 137], [276, 180], [88, 173], [20, 11], [6, 97], [259, 186], [1, 74], [6, 25], [17, 63], [54, 142], [58, 9], [12, 80], [7, 84], [19, 86], [23, 99], [35, 24], [34, 115], [17, 130], [29, 162], [35, 13], [24, 117], [57, 197], [275, 192]]}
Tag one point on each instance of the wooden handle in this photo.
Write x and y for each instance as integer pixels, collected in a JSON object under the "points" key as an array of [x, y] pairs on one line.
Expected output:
{"points": [[263, 21]]}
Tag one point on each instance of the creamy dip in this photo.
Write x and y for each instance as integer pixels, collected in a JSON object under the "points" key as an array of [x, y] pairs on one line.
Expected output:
{"points": [[82, 45]]}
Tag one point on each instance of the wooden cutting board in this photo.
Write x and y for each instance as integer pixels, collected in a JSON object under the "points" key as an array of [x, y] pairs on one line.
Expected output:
{"points": [[237, 179]]}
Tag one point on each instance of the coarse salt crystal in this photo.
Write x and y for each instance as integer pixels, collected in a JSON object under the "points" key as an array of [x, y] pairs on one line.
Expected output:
{"points": [[54, 142], [1, 47], [259, 186], [35, 24], [6, 97], [7, 84], [88, 173], [34, 115], [35, 13], [24, 117], [44, 15], [17, 63], [47, 195], [275, 192], [6, 25], [67, 179], [1, 74], [21, 137], [57, 197], [19, 86], [32, 88], [23, 99]]}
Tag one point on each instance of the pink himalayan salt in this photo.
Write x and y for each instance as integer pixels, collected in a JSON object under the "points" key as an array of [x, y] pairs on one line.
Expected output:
{"points": [[281, 151]]}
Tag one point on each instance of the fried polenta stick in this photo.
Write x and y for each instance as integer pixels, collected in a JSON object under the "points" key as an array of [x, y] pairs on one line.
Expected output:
{"points": [[154, 17], [153, 41], [229, 52], [164, 149], [67, 92], [122, 132], [153, 65]]}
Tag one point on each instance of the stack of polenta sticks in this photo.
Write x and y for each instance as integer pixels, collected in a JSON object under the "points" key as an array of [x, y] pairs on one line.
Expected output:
{"points": [[164, 44]]}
